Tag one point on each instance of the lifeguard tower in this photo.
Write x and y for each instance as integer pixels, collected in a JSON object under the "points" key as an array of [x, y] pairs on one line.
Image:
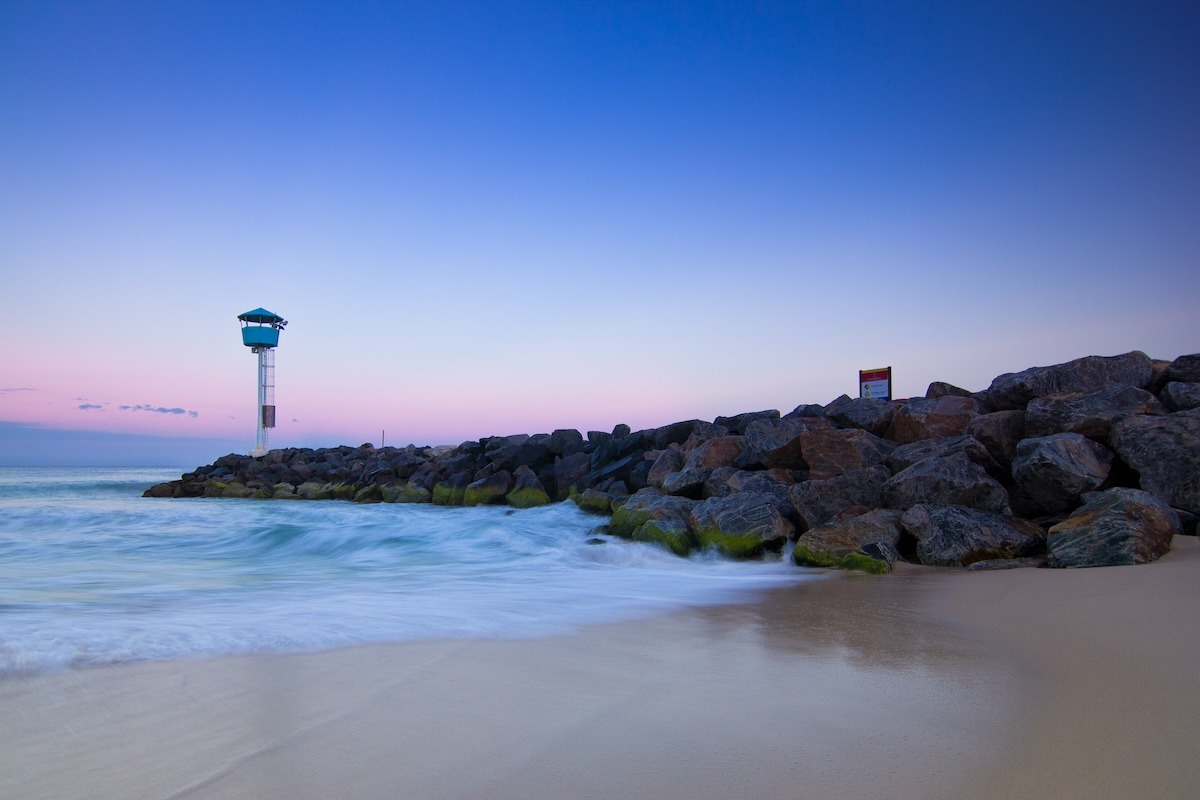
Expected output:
{"points": [[260, 332]]}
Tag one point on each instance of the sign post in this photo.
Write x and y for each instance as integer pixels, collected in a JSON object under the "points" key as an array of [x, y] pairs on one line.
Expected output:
{"points": [[875, 384]]}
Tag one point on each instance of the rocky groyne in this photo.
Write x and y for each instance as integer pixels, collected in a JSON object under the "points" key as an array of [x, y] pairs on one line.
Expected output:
{"points": [[1093, 462]]}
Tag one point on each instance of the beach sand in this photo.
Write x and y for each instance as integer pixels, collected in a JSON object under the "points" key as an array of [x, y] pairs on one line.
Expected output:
{"points": [[925, 683]]}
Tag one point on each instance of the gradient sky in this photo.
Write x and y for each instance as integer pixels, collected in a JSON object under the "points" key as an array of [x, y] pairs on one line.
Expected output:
{"points": [[485, 218]]}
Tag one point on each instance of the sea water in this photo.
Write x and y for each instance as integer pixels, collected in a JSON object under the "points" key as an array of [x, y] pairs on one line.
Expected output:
{"points": [[92, 573]]}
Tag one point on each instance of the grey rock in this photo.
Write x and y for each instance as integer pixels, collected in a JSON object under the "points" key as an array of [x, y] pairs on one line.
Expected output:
{"points": [[665, 463], [738, 423], [1015, 390], [1088, 413], [1118, 526], [952, 480], [1165, 452], [941, 389], [1054, 471], [871, 415], [906, 455], [818, 502], [764, 436], [1185, 369], [999, 432], [569, 473], [1180, 396], [955, 536], [740, 525]]}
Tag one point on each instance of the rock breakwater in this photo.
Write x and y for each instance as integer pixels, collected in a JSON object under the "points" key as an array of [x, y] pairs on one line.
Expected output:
{"points": [[1092, 462]]}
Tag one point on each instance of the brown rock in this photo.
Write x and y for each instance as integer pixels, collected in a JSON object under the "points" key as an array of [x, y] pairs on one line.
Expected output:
{"points": [[930, 418], [826, 453]]}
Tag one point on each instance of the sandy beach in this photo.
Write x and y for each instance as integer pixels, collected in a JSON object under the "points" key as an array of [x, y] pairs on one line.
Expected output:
{"points": [[922, 684]]}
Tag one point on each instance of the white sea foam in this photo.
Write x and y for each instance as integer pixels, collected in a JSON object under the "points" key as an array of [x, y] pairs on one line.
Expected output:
{"points": [[92, 573]]}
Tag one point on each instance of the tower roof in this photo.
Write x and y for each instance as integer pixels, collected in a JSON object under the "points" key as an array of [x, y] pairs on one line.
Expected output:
{"points": [[262, 315]]}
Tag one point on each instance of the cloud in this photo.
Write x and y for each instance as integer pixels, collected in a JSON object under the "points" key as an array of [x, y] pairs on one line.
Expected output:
{"points": [[89, 406], [160, 410], [14, 389]]}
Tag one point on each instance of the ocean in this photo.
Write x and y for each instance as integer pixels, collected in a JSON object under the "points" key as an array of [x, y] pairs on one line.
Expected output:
{"points": [[92, 573]]}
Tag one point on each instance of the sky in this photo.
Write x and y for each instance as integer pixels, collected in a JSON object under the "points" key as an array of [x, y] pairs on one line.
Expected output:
{"points": [[485, 218]]}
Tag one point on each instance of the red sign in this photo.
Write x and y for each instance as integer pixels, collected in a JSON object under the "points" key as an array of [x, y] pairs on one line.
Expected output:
{"points": [[875, 384]]}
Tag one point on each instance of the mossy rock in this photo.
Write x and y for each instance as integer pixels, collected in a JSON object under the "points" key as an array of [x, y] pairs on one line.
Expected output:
{"points": [[805, 557], [342, 491], [594, 502], [285, 494], [447, 494], [733, 545], [670, 533], [480, 496], [265, 493], [311, 490], [368, 494], [237, 489], [626, 521], [527, 497], [409, 493], [214, 488], [864, 563]]}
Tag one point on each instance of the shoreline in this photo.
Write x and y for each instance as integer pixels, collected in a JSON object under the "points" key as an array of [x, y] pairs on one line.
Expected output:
{"points": [[925, 683]]}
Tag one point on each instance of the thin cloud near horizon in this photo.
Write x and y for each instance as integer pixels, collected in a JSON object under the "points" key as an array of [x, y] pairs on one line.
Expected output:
{"points": [[141, 407]]}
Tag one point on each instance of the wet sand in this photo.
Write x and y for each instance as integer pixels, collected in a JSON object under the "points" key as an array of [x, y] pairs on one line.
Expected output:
{"points": [[922, 684]]}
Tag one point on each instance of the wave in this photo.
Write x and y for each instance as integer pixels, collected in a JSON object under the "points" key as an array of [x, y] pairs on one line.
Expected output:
{"points": [[89, 579]]}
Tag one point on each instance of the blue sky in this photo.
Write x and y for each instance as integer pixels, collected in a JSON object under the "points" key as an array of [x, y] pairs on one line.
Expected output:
{"points": [[487, 218]]}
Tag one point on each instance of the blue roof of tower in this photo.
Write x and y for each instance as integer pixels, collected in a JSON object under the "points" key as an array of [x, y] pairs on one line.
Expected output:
{"points": [[261, 315]]}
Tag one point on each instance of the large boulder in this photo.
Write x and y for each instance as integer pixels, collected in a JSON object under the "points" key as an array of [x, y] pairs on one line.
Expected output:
{"points": [[932, 417], [740, 525], [489, 490], [1165, 452], [728, 480], [1119, 526], [1015, 390], [953, 480], [737, 424], [569, 474], [650, 516], [721, 451], [1054, 471], [565, 442], [1180, 396], [666, 462], [527, 490], [1088, 413], [680, 432], [853, 543], [999, 432], [906, 455], [1185, 368], [818, 502], [764, 436], [829, 452], [870, 414], [955, 536]]}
